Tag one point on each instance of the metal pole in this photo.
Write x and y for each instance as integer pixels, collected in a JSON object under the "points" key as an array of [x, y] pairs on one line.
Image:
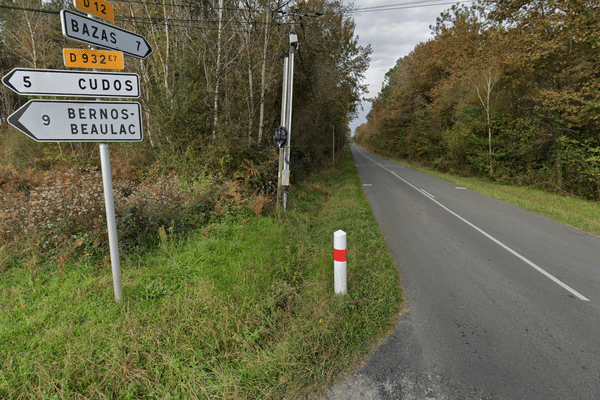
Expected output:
{"points": [[111, 221], [288, 114], [284, 90], [283, 120]]}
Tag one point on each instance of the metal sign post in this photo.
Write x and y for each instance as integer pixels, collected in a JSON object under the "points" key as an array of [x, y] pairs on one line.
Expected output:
{"points": [[86, 121], [281, 148], [283, 178], [111, 220], [109, 201], [288, 122]]}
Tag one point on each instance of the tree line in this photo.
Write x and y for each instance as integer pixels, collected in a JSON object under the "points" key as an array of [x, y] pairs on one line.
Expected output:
{"points": [[505, 89], [211, 90]]}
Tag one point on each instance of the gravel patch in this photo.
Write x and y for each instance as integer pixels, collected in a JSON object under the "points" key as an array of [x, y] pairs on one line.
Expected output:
{"points": [[397, 370], [404, 384]]}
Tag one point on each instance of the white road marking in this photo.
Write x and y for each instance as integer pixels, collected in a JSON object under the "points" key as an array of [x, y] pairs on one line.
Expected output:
{"points": [[424, 192], [367, 184], [493, 239]]}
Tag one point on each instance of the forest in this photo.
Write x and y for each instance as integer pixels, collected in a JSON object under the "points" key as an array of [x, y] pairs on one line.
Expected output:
{"points": [[506, 90], [211, 99]]}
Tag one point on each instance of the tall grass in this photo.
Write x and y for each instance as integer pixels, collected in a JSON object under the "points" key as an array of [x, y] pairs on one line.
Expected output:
{"points": [[238, 309]]}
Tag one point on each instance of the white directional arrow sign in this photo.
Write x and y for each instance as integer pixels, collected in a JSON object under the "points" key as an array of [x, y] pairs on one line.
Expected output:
{"points": [[72, 83], [83, 29], [79, 121]]}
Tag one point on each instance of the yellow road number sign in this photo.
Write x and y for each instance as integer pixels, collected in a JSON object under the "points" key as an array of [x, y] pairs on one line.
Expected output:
{"points": [[99, 8], [83, 58]]}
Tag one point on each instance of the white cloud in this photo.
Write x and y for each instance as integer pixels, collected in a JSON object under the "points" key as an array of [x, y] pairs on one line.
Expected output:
{"points": [[392, 34]]}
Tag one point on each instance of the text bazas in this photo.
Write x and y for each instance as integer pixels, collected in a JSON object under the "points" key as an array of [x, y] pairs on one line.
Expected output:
{"points": [[96, 32]]}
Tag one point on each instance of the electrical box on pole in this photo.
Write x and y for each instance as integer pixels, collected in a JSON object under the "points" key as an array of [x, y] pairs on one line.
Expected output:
{"points": [[279, 137]]}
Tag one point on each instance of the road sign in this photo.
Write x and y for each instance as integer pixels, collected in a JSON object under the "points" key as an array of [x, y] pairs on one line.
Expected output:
{"points": [[84, 58], [99, 8], [72, 83], [79, 121], [83, 29]]}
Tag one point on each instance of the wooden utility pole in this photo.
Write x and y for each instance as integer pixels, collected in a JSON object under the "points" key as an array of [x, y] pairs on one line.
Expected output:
{"points": [[333, 151]]}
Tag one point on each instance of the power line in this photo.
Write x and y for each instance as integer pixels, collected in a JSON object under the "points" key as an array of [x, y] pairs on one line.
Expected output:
{"points": [[396, 6], [400, 6], [169, 21], [191, 6], [148, 20], [423, 3], [40, 10], [180, 22]]}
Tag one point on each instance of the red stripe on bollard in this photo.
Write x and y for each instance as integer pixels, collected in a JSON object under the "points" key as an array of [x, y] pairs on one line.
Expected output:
{"points": [[339, 255]]}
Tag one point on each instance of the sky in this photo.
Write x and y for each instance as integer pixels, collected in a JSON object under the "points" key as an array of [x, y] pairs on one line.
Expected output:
{"points": [[393, 32]]}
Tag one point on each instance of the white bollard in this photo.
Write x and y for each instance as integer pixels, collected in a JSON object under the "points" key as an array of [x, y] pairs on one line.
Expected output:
{"points": [[339, 262]]}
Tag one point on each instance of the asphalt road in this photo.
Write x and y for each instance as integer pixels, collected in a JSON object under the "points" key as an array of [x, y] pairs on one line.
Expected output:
{"points": [[503, 303]]}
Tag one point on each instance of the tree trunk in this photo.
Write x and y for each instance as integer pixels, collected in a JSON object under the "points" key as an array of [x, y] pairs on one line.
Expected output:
{"points": [[250, 83], [263, 71], [490, 79], [216, 98], [167, 51]]}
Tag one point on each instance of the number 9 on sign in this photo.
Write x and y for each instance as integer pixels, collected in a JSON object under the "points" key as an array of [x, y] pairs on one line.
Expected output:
{"points": [[46, 119]]}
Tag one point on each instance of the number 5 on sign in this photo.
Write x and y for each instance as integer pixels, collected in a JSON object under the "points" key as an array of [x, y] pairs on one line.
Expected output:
{"points": [[99, 8], [82, 58]]}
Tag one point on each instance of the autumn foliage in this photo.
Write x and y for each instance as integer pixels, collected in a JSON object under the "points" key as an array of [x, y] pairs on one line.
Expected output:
{"points": [[505, 89], [211, 100]]}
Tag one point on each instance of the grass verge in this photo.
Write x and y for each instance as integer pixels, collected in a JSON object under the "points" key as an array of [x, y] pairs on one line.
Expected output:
{"points": [[240, 309]]}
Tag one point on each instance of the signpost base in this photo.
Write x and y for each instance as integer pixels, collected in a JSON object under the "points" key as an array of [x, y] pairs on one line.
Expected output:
{"points": [[111, 220]]}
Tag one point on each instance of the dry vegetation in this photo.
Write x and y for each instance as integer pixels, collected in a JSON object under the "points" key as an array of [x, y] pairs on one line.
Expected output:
{"points": [[60, 213]]}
